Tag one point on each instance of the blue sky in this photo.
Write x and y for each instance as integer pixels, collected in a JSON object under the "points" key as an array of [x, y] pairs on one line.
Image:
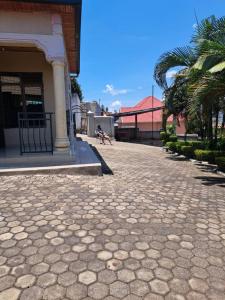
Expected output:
{"points": [[122, 39]]}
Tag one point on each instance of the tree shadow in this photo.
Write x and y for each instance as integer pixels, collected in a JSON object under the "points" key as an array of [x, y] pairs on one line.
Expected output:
{"points": [[206, 168], [212, 180], [105, 168]]}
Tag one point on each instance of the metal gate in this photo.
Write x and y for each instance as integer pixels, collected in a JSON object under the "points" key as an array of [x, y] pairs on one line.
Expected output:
{"points": [[35, 132]]}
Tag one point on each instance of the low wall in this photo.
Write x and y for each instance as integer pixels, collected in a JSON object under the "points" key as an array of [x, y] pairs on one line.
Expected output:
{"points": [[129, 133], [146, 135], [125, 134], [188, 137]]}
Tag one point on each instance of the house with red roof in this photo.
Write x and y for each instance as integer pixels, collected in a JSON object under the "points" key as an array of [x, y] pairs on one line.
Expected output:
{"points": [[144, 121]]}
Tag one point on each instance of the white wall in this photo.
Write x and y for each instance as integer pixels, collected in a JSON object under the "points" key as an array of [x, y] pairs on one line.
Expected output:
{"points": [[106, 123]]}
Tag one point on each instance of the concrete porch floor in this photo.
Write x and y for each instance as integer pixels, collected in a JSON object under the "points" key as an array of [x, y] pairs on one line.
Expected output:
{"points": [[83, 161]]}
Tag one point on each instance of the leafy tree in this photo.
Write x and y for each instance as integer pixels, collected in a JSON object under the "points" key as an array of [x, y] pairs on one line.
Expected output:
{"points": [[76, 88]]}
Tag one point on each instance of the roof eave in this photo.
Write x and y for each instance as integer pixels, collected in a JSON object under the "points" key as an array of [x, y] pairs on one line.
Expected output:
{"points": [[66, 2]]}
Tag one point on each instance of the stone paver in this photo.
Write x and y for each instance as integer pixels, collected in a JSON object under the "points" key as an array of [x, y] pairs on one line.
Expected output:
{"points": [[154, 230]]}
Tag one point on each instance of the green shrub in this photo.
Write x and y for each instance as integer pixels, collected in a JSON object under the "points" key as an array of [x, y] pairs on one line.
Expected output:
{"points": [[171, 146], [187, 151], [220, 161], [221, 144], [197, 145], [171, 129], [163, 135], [208, 155], [179, 144], [173, 138]]}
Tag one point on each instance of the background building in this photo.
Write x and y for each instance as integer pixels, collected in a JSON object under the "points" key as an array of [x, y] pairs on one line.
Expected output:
{"points": [[144, 121]]}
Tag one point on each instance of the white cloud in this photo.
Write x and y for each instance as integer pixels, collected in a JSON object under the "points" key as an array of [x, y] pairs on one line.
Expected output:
{"points": [[116, 103], [171, 74], [109, 89]]}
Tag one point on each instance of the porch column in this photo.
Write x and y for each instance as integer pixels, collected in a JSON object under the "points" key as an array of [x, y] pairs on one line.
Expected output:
{"points": [[61, 140]]}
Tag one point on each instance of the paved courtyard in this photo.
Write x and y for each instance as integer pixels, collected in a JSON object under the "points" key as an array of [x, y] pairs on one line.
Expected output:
{"points": [[154, 230]]}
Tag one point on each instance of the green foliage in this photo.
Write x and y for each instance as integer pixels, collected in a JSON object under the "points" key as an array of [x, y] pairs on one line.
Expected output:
{"points": [[220, 161], [164, 137], [207, 155], [173, 138], [76, 88], [170, 129], [187, 151], [221, 144], [171, 146], [180, 144], [197, 145]]}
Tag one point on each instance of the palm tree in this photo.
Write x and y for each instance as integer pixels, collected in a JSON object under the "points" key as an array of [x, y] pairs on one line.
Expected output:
{"points": [[198, 89], [176, 97]]}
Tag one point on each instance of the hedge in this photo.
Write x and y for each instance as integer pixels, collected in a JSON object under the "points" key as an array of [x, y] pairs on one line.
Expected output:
{"points": [[171, 146], [164, 136], [197, 145], [173, 138], [187, 151], [220, 161], [179, 145], [207, 155]]}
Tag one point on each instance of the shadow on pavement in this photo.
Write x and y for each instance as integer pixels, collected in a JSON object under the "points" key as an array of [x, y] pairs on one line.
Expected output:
{"points": [[177, 158], [105, 168], [154, 143], [209, 180]]}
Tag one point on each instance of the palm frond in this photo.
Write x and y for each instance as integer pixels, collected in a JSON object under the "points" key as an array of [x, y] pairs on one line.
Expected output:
{"points": [[218, 68], [179, 57]]}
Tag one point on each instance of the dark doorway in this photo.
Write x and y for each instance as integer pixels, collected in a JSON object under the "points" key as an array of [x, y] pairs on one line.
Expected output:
{"points": [[19, 92]]}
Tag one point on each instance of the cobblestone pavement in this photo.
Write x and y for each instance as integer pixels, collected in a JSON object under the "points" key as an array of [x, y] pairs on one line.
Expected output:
{"points": [[154, 230]]}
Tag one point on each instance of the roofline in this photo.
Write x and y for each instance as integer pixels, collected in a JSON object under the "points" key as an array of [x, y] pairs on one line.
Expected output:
{"points": [[66, 2], [79, 3], [138, 112]]}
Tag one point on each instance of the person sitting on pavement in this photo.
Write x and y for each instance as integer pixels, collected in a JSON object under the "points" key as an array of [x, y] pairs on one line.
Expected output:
{"points": [[102, 135]]}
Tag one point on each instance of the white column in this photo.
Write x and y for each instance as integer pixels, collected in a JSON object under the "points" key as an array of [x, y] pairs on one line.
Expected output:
{"points": [[61, 140]]}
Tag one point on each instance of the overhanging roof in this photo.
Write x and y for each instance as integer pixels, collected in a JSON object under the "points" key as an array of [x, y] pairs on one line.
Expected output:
{"points": [[137, 112], [72, 41], [69, 2]]}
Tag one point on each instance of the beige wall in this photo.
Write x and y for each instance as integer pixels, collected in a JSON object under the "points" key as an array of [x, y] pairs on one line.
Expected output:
{"points": [[19, 22], [31, 62]]}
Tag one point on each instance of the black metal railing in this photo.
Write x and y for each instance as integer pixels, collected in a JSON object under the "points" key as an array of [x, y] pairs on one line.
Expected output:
{"points": [[35, 132]]}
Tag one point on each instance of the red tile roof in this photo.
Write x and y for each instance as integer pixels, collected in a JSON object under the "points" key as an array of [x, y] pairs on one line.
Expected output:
{"points": [[146, 117]]}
